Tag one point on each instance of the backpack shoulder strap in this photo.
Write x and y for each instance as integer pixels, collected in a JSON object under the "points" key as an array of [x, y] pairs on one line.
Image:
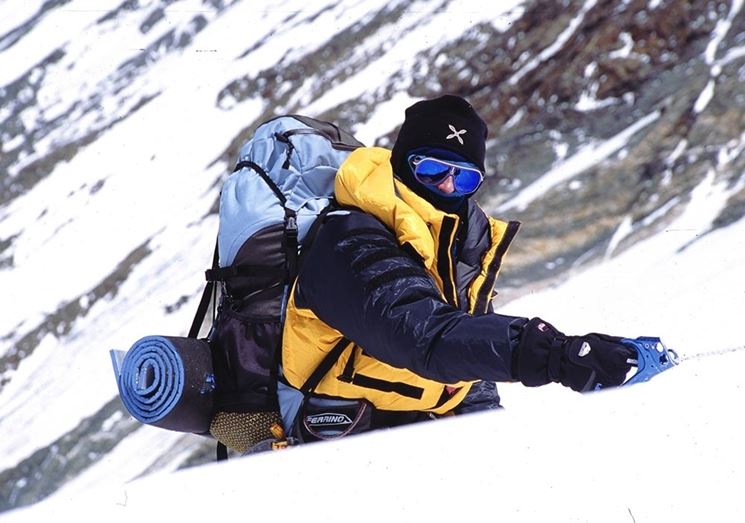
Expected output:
{"points": [[333, 355], [328, 362], [310, 236]]}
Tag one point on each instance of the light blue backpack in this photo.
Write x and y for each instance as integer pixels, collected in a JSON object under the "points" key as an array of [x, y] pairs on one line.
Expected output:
{"points": [[283, 181], [228, 386]]}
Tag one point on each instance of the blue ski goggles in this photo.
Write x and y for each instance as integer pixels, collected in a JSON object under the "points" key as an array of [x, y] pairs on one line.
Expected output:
{"points": [[433, 171]]}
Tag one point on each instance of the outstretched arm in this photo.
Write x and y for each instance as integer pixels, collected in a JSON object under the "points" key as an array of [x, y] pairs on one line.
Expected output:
{"points": [[357, 279]]}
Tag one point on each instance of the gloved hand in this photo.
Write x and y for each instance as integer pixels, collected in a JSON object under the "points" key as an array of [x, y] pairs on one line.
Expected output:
{"points": [[579, 362]]}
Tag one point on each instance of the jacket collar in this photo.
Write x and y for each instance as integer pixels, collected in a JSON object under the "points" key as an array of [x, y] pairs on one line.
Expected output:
{"points": [[365, 181]]}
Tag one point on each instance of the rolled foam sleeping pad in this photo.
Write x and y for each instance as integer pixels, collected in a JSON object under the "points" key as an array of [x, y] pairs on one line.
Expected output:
{"points": [[168, 382]]}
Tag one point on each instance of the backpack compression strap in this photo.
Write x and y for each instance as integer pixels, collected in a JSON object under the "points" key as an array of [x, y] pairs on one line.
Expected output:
{"points": [[208, 295], [244, 269], [290, 239]]}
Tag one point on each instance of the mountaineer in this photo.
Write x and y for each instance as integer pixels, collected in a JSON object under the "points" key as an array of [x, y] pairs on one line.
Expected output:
{"points": [[391, 317]]}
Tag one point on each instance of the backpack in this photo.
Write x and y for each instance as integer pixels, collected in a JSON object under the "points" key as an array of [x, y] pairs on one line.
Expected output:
{"points": [[282, 183]]}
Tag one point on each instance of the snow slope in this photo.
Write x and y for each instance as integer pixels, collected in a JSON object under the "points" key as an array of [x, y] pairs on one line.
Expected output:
{"points": [[667, 450]]}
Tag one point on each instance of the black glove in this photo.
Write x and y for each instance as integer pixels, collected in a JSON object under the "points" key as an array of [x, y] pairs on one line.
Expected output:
{"points": [[580, 362]]}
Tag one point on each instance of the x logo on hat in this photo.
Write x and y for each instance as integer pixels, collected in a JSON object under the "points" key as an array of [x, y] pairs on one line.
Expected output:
{"points": [[456, 133]]}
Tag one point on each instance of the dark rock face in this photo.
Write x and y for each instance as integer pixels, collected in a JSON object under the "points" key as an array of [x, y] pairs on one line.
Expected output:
{"points": [[624, 62]]}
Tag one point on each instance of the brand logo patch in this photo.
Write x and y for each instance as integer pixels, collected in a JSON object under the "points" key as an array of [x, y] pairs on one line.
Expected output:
{"points": [[584, 350], [456, 133], [328, 418]]}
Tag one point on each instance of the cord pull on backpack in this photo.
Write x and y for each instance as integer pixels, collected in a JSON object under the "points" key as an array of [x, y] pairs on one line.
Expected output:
{"points": [[283, 181]]}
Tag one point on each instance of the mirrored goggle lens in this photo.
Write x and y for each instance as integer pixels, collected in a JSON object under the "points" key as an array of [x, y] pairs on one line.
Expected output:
{"points": [[431, 171]]}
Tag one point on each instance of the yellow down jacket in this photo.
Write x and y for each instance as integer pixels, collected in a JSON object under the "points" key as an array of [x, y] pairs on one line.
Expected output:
{"points": [[408, 306]]}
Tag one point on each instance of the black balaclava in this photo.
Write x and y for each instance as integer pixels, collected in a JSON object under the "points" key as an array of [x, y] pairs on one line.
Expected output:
{"points": [[448, 123]]}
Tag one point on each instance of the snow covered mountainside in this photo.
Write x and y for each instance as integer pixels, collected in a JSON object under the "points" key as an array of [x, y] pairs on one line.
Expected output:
{"points": [[667, 450], [617, 131]]}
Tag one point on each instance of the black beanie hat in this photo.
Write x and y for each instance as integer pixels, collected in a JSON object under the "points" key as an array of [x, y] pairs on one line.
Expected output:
{"points": [[448, 122]]}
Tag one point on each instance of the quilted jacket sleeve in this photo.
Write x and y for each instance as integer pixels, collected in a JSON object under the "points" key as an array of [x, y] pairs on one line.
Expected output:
{"points": [[357, 279]]}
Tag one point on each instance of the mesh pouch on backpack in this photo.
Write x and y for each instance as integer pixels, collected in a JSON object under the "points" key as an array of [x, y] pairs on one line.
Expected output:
{"points": [[283, 180]]}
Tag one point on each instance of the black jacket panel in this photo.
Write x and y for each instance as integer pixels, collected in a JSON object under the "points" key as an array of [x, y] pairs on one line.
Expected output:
{"points": [[358, 280]]}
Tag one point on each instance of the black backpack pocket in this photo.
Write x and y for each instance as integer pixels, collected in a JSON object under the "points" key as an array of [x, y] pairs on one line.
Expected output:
{"points": [[245, 348]]}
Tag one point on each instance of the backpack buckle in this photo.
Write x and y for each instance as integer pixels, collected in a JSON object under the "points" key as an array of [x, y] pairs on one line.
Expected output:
{"points": [[291, 224], [280, 445]]}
